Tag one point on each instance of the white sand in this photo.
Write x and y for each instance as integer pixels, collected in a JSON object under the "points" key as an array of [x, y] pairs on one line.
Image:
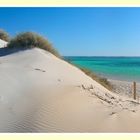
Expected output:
{"points": [[125, 88], [3, 43], [41, 93]]}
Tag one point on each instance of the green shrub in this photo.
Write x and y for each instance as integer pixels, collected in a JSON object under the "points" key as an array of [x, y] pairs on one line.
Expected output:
{"points": [[103, 81], [4, 35], [31, 40]]}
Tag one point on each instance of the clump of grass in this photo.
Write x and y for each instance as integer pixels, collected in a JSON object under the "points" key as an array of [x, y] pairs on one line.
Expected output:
{"points": [[4, 35], [27, 40], [103, 81]]}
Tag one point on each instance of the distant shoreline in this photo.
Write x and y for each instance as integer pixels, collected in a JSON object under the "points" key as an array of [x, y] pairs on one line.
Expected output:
{"points": [[116, 68]]}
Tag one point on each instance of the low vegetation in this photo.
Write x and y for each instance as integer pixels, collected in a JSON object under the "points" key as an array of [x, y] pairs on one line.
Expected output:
{"points": [[103, 81], [4, 35], [30, 40]]}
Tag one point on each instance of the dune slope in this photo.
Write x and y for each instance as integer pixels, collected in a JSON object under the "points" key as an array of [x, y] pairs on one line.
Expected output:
{"points": [[41, 93]]}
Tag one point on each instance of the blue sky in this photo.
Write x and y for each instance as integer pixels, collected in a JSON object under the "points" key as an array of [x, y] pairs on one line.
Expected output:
{"points": [[79, 31]]}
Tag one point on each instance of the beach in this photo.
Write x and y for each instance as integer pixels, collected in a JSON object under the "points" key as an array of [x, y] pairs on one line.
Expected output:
{"points": [[125, 88], [69, 70], [42, 93]]}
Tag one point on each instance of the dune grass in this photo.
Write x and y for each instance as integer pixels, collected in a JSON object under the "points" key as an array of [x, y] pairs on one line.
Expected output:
{"points": [[27, 40], [4, 35], [103, 81]]}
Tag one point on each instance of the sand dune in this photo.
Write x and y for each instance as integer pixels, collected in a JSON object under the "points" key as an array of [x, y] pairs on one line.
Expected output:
{"points": [[42, 93]]}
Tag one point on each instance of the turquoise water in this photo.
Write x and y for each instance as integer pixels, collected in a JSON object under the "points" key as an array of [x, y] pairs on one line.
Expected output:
{"points": [[120, 68]]}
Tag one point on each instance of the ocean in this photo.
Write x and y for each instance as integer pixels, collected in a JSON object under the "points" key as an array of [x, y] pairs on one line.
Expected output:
{"points": [[117, 68]]}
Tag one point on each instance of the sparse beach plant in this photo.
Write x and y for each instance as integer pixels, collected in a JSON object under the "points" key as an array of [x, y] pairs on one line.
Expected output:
{"points": [[27, 40], [4, 35], [103, 81]]}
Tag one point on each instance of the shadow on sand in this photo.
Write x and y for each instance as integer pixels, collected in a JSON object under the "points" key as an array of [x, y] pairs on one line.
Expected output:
{"points": [[7, 51]]}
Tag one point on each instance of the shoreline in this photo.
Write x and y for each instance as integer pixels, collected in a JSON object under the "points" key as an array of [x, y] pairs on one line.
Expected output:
{"points": [[124, 87]]}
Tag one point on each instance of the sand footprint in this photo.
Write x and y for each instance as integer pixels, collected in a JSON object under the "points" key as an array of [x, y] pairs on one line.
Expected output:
{"points": [[39, 70]]}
